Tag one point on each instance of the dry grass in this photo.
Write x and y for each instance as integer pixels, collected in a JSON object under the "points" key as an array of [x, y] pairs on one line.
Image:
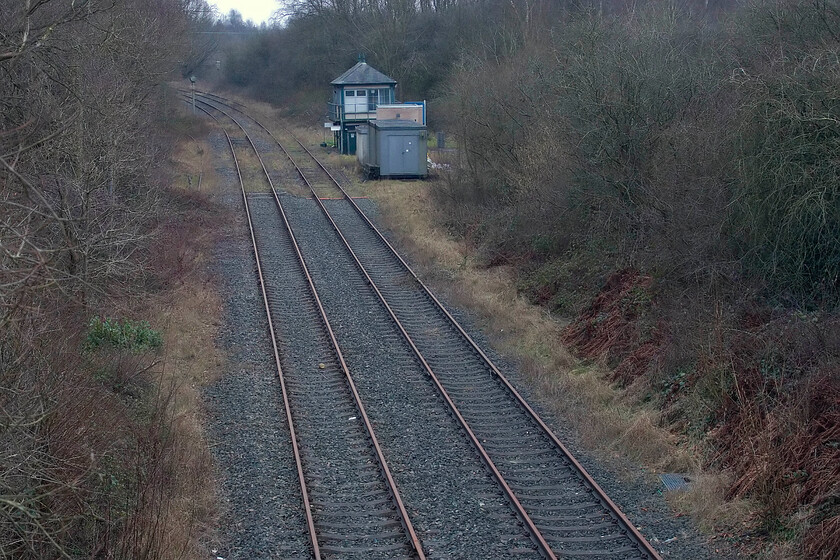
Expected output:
{"points": [[192, 158], [608, 419], [188, 313], [750, 500], [177, 506], [193, 167], [343, 167], [253, 177], [191, 316], [106, 444], [613, 422], [706, 502]]}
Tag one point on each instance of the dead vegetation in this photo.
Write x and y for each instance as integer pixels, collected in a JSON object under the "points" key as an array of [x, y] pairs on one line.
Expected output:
{"points": [[104, 450], [101, 451], [744, 447]]}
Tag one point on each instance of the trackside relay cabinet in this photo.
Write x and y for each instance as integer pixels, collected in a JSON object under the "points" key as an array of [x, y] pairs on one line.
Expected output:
{"points": [[394, 148]]}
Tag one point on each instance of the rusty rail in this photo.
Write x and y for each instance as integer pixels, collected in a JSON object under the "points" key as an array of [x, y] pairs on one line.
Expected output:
{"points": [[310, 522], [602, 496], [392, 486]]}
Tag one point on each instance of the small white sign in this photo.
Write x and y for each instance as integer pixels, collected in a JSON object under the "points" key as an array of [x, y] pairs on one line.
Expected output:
{"points": [[328, 125], [335, 128]]}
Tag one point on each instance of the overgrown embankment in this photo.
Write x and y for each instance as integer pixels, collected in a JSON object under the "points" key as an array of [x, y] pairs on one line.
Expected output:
{"points": [[670, 182], [101, 449]]}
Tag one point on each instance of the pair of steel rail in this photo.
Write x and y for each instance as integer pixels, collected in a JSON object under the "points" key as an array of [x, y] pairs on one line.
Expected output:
{"points": [[633, 534]]}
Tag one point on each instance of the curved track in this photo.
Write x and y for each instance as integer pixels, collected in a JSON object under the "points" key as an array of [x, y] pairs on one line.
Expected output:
{"points": [[563, 508]]}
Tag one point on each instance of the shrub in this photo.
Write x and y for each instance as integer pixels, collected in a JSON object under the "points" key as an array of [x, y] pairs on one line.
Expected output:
{"points": [[136, 336]]}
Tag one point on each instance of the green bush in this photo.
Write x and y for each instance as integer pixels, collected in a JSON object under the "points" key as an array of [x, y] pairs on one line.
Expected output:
{"points": [[136, 336]]}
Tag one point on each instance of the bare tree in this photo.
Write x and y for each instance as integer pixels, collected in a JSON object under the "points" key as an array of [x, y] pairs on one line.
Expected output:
{"points": [[80, 84]]}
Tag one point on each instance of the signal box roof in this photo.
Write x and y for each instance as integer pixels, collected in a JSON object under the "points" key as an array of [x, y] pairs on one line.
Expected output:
{"points": [[362, 74]]}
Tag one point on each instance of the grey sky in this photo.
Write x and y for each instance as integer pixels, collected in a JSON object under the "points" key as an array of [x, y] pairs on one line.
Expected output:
{"points": [[256, 10]]}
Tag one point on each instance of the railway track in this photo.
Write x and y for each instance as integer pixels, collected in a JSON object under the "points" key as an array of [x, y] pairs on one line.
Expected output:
{"points": [[352, 504], [563, 509]]}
